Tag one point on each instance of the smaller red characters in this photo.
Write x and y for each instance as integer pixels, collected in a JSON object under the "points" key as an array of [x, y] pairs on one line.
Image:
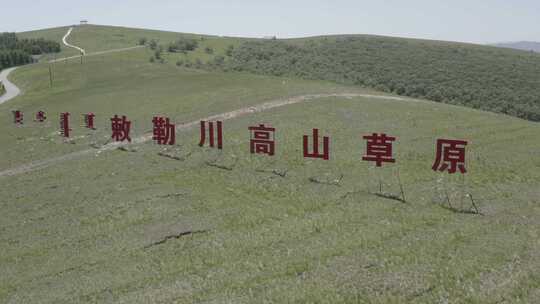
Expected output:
{"points": [[164, 131], [262, 140], [40, 116], [89, 120], [120, 128], [379, 148], [316, 154], [450, 156], [17, 117], [211, 134], [64, 124]]}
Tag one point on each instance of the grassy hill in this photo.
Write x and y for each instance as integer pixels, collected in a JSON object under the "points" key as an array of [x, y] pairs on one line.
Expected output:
{"points": [[208, 226], [483, 77]]}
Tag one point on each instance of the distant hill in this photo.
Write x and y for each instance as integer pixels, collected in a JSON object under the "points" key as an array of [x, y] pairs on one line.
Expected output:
{"points": [[478, 76], [521, 45]]}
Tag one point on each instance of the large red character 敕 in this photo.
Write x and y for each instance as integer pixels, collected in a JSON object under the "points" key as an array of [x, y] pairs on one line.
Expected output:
{"points": [[164, 131], [120, 128], [379, 149], [316, 154], [450, 156], [211, 134], [262, 140]]}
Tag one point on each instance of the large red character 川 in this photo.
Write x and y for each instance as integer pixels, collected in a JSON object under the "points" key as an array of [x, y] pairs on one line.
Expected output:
{"points": [[450, 156], [212, 134], [262, 140]]}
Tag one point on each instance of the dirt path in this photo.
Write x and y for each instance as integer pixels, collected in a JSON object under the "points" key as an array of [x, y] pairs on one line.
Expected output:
{"points": [[71, 45], [98, 53], [12, 90], [223, 116]]}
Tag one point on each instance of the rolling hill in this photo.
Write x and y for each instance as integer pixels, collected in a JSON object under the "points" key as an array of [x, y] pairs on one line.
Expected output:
{"points": [[522, 45], [84, 221]]}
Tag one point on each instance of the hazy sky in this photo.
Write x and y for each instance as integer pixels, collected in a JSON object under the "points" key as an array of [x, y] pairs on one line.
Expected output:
{"points": [[479, 21]]}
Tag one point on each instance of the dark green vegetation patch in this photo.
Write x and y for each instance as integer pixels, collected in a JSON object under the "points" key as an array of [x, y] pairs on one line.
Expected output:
{"points": [[15, 51], [488, 78]]}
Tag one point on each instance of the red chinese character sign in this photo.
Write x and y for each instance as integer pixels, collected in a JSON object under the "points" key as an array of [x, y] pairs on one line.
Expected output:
{"points": [[262, 140], [379, 149], [164, 131], [212, 134], [89, 121], [17, 117], [40, 116], [315, 150], [120, 128], [450, 156], [64, 124]]}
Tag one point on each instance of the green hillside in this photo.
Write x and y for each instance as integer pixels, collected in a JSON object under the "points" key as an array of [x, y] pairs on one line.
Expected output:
{"points": [[82, 223], [482, 77]]}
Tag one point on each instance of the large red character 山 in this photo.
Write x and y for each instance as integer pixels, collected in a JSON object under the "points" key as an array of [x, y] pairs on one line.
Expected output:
{"points": [[315, 153]]}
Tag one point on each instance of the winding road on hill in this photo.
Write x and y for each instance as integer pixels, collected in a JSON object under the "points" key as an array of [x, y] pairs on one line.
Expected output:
{"points": [[11, 90], [83, 52], [182, 127]]}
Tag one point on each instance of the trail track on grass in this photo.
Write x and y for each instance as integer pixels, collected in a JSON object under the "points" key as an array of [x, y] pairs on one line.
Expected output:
{"points": [[223, 116], [83, 52], [12, 90]]}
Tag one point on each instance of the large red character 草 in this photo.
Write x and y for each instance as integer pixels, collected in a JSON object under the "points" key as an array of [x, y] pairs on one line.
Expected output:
{"points": [[379, 149]]}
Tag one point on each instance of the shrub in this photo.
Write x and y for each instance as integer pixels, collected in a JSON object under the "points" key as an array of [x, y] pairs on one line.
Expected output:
{"points": [[183, 45], [229, 50]]}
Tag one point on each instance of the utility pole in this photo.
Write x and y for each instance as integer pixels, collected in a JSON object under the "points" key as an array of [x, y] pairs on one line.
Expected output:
{"points": [[50, 76]]}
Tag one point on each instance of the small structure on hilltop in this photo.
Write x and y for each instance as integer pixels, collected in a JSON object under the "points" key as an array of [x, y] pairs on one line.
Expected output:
{"points": [[270, 37], [84, 22]]}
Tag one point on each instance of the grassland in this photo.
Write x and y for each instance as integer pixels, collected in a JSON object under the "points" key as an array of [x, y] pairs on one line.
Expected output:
{"points": [[101, 228]]}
